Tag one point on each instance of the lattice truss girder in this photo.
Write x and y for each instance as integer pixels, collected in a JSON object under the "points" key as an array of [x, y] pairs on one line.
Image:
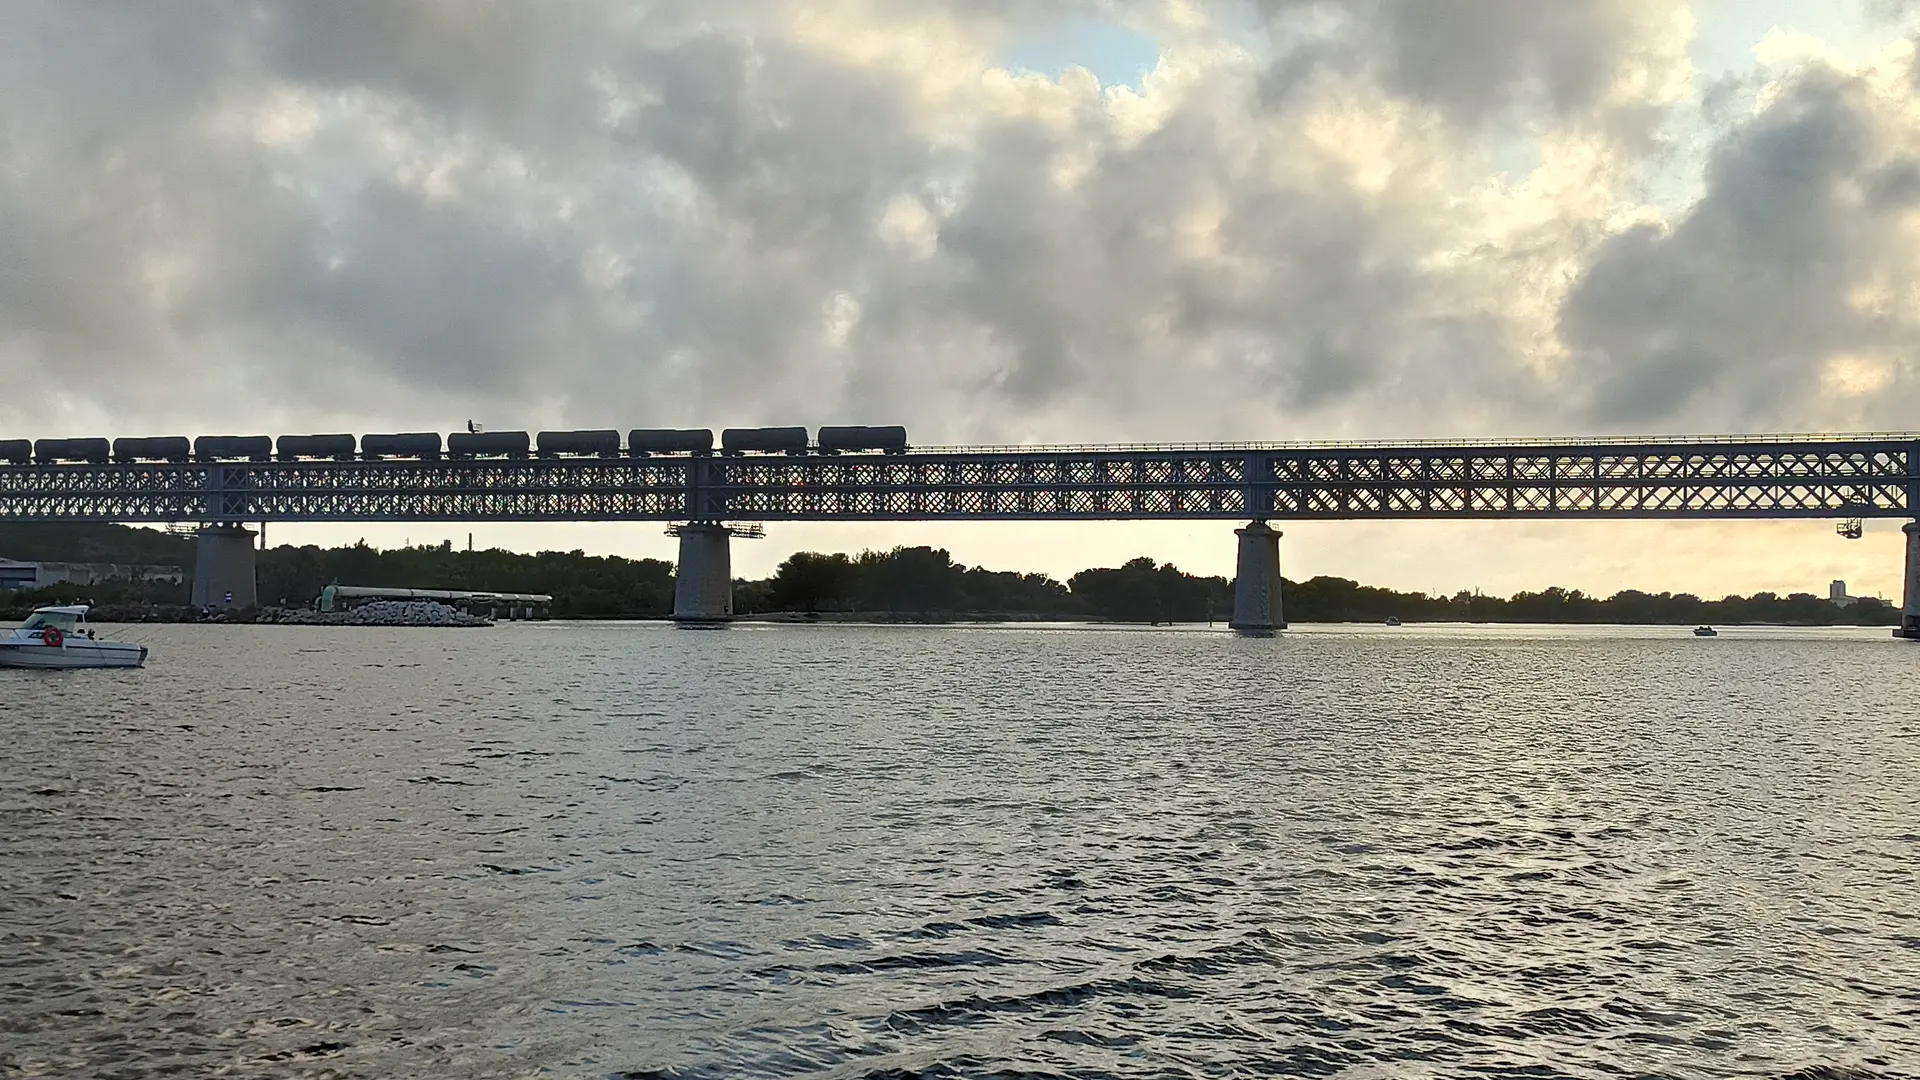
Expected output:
{"points": [[350, 491], [1681, 480]]}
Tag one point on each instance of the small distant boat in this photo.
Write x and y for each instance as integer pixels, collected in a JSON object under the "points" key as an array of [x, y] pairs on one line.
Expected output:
{"points": [[58, 637], [1705, 631], [1393, 620]]}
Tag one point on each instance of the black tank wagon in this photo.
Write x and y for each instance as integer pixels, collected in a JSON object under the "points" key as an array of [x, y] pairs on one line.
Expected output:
{"points": [[18, 451], [472, 444], [296, 447], [890, 439], [233, 448], [94, 451], [163, 448], [767, 440], [424, 445], [579, 443], [644, 441]]}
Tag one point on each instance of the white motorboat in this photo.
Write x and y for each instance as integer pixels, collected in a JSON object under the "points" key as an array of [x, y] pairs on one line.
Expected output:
{"points": [[58, 637]]}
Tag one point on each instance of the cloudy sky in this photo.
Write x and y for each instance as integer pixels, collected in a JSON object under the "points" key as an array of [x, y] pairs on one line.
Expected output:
{"points": [[993, 221]]}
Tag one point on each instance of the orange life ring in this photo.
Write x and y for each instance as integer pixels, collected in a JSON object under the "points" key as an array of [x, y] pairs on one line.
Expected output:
{"points": [[52, 637]]}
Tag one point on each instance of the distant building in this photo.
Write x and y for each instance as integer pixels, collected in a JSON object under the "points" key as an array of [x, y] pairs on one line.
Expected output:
{"points": [[16, 575], [1837, 592]]}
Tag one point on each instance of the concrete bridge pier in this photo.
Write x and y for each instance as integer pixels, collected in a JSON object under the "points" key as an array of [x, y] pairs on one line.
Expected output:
{"points": [[1910, 604], [703, 581], [223, 568], [1256, 582]]}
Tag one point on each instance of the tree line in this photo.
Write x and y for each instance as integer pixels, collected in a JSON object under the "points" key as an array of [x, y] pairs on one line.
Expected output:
{"points": [[906, 582], [926, 581]]}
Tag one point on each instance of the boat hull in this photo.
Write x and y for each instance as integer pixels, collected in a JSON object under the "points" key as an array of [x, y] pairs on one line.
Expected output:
{"points": [[73, 654]]}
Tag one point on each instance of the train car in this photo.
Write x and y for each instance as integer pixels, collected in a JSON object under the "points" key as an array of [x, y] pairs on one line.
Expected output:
{"points": [[18, 451], [889, 439], [472, 444], [94, 451], [766, 440], [579, 443], [644, 441], [296, 447], [233, 448], [163, 448], [424, 445]]}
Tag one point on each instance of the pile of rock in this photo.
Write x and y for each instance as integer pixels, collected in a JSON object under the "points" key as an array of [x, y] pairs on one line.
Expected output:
{"points": [[378, 613]]}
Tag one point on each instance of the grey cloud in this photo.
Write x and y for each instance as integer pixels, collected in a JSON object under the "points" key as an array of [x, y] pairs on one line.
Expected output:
{"points": [[1894, 186], [1736, 310], [1474, 55], [1085, 291], [673, 213], [1473, 59], [431, 284], [1315, 302], [450, 54], [685, 203]]}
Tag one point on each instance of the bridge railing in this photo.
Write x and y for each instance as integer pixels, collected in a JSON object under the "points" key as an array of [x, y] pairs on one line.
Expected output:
{"points": [[1429, 444]]}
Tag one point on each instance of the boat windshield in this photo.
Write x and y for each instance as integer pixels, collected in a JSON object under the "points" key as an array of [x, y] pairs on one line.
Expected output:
{"points": [[61, 620]]}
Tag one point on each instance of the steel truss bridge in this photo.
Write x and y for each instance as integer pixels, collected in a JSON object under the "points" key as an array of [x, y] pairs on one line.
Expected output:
{"points": [[1790, 476]]}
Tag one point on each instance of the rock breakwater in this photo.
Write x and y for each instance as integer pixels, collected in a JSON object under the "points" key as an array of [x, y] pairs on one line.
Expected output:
{"points": [[378, 613]]}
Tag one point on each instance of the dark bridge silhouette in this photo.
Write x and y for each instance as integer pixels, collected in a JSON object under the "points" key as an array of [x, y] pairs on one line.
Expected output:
{"points": [[772, 474]]}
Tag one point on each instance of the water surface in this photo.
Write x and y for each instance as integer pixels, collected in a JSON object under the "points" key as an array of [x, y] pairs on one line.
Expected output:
{"points": [[842, 851]]}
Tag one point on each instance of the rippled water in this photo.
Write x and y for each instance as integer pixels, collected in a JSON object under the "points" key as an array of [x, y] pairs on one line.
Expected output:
{"points": [[593, 850]]}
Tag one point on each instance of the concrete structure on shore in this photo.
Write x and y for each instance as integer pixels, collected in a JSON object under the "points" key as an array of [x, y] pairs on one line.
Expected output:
{"points": [[40, 575], [1910, 608], [1256, 582], [223, 562], [703, 580]]}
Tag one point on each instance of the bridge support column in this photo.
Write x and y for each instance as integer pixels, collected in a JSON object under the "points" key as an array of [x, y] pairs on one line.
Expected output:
{"points": [[703, 582], [1910, 604], [223, 568], [1256, 582]]}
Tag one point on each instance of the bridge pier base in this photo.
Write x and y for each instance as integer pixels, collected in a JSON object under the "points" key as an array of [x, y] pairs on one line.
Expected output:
{"points": [[223, 568], [703, 581], [1910, 602], [1256, 582]]}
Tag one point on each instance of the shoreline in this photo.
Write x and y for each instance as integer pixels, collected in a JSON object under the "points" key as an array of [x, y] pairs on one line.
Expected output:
{"points": [[185, 616]]}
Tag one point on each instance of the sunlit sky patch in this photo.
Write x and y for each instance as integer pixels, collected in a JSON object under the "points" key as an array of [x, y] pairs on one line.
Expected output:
{"points": [[1114, 54]]}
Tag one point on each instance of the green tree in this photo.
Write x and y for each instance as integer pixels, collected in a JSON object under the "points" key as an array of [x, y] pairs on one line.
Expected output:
{"points": [[810, 582]]}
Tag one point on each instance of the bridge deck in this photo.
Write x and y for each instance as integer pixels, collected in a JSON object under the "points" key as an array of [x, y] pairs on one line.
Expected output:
{"points": [[1692, 477]]}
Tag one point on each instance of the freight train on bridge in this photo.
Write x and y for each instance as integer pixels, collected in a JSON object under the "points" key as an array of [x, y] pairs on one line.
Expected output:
{"points": [[460, 446], [856, 473]]}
